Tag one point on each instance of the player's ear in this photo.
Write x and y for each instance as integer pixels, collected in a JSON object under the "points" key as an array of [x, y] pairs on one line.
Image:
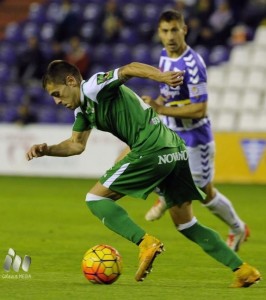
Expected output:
{"points": [[71, 81], [185, 29]]}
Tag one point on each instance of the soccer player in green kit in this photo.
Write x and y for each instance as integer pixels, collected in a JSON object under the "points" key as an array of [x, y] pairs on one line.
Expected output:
{"points": [[158, 158]]}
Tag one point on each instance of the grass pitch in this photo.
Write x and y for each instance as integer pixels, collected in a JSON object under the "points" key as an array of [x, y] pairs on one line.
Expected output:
{"points": [[47, 219]]}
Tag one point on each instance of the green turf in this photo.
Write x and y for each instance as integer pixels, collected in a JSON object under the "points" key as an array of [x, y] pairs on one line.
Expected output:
{"points": [[48, 220]]}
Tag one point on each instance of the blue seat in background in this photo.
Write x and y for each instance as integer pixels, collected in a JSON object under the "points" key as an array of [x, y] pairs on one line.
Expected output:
{"points": [[101, 54], [65, 116], [52, 11], [151, 13], [129, 36], [218, 55], [15, 94], [36, 93], [5, 73], [13, 33], [37, 13], [46, 114], [146, 32], [8, 113], [155, 54], [2, 95], [47, 32], [132, 14], [8, 53], [47, 100], [142, 53], [88, 31], [96, 68], [121, 54], [30, 29], [92, 13]]}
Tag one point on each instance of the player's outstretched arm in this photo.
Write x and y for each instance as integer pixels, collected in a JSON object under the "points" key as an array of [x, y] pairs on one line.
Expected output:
{"points": [[72, 146], [135, 69], [189, 111]]}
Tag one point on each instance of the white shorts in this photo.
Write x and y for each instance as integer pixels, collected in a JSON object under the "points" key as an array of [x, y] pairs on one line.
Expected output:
{"points": [[201, 162]]}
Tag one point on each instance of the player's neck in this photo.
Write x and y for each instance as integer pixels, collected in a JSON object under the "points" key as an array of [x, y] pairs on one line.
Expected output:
{"points": [[178, 53]]}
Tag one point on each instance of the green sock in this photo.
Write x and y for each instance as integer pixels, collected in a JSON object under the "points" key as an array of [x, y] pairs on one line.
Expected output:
{"points": [[116, 218], [212, 244]]}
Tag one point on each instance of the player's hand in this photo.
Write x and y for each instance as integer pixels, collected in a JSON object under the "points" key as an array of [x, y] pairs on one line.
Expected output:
{"points": [[37, 151], [173, 78]]}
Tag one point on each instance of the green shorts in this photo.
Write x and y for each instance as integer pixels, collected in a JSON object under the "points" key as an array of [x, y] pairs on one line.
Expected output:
{"points": [[166, 169]]}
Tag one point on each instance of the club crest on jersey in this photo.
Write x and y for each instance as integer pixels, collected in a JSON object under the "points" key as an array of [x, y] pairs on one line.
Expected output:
{"points": [[155, 121], [101, 78], [194, 90]]}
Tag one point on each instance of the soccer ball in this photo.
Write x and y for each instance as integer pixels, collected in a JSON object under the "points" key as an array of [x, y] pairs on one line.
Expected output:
{"points": [[102, 264]]}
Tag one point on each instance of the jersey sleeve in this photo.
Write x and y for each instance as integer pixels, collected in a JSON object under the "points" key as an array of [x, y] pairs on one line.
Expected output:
{"points": [[196, 80], [81, 122], [100, 87], [101, 82]]}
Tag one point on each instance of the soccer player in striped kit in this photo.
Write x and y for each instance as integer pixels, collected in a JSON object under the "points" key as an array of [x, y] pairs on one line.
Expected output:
{"points": [[184, 110]]}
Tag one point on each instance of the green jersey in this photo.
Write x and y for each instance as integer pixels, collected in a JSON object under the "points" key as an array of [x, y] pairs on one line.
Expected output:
{"points": [[110, 106]]}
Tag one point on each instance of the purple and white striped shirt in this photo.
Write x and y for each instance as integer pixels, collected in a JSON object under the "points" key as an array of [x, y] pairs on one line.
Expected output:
{"points": [[194, 90]]}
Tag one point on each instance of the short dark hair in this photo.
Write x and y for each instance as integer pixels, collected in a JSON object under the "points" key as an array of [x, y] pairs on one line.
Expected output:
{"points": [[171, 15], [58, 70]]}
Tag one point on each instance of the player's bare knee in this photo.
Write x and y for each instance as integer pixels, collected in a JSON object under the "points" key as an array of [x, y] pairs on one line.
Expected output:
{"points": [[210, 192]]}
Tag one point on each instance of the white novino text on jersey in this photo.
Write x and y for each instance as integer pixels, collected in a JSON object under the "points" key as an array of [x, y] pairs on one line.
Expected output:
{"points": [[168, 158]]}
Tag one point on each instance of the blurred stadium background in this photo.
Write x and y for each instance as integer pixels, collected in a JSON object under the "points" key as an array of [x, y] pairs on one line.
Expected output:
{"points": [[99, 35]]}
